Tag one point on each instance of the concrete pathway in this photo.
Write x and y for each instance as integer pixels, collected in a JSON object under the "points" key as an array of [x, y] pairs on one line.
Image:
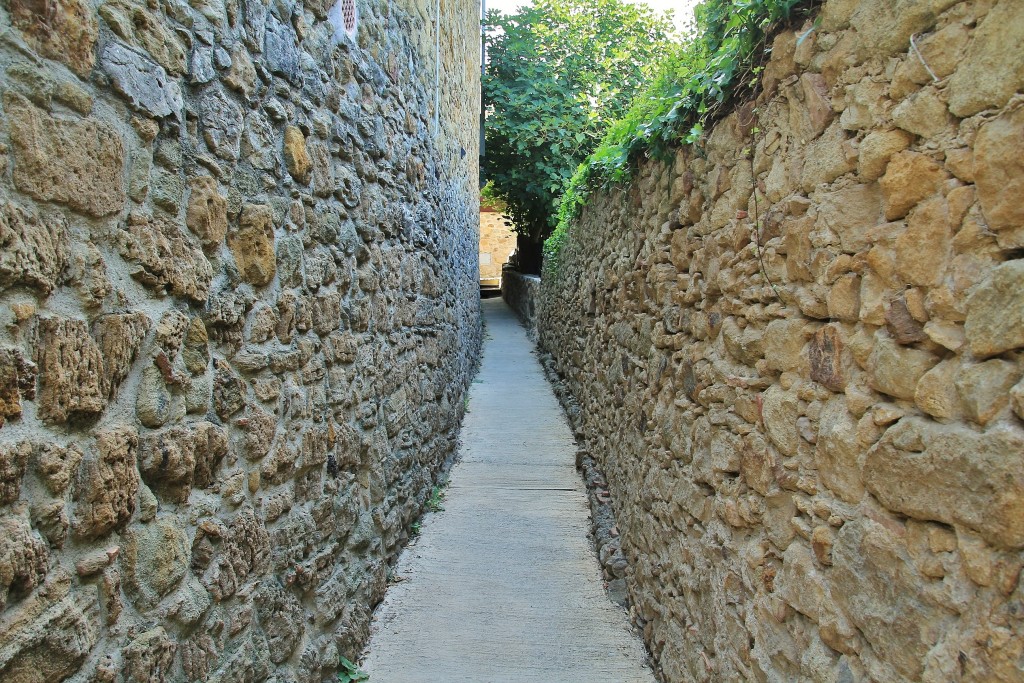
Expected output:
{"points": [[503, 585]]}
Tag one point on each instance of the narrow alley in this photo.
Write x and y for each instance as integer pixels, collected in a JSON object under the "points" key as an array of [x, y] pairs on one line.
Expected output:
{"points": [[503, 585]]}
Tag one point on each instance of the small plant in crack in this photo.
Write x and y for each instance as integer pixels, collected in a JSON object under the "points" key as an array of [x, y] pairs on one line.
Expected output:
{"points": [[414, 530], [437, 494], [350, 672]]}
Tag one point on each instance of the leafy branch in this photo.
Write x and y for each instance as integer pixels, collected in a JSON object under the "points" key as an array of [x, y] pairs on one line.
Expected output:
{"points": [[558, 74], [693, 87]]}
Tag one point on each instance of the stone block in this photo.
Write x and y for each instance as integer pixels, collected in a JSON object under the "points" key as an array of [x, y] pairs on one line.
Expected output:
{"points": [[153, 400], [923, 250], [850, 213], [248, 662], [924, 113], [56, 465], [222, 124], [909, 178], [140, 27], [999, 170], [280, 47], [225, 556], [73, 161], [885, 28], [796, 237], [877, 148], [70, 370], [174, 460], [866, 104], [714, 451], [281, 616], [936, 394], [144, 83], [1017, 399], [48, 636], [839, 454], [24, 558], [989, 75], [17, 383], [874, 582], [844, 298], [296, 158], [742, 344], [984, 388], [902, 326], [289, 261], [257, 429], [801, 583], [196, 351], [33, 252], [895, 370], [995, 311], [242, 74], [65, 30], [951, 474], [259, 142], [825, 353], [119, 337], [941, 47], [13, 463], [107, 483], [165, 257], [229, 393], [149, 656], [827, 158], [154, 559], [322, 172], [252, 244], [780, 411], [207, 212]]}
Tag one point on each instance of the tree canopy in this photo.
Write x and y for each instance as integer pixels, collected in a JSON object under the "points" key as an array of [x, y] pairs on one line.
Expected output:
{"points": [[695, 82], [558, 74]]}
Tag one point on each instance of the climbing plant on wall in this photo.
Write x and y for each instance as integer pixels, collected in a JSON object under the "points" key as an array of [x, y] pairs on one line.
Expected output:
{"points": [[558, 74], [693, 83]]}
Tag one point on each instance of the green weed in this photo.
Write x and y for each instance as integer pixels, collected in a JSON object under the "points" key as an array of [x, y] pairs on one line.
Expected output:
{"points": [[436, 500], [350, 672]]}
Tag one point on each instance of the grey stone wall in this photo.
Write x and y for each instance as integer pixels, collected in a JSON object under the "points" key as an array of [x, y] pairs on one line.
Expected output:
{"points": [[238, 315], [820, 481], [522, 293]]}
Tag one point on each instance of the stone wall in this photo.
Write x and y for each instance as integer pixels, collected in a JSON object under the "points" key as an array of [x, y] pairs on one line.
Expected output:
{"points": [[522, 293], [497, 242], [821, 480], [238, 315]]}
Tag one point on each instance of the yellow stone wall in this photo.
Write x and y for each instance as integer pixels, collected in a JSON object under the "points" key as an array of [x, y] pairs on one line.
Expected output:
{"points": [[820, 478], [497, 242]]}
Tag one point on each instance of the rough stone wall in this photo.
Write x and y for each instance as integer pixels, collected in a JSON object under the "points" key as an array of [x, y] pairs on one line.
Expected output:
{"points": [[238, 315], [522, 293], [497, 242], [823, 482]]}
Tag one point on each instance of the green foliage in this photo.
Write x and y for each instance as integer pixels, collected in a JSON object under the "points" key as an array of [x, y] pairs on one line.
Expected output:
{"points": [[694, 84], [558, 73], [350, 673], [436, 501]]}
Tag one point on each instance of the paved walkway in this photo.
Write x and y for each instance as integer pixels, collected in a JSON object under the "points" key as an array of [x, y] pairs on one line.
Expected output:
{"points": [[503, 585]]}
